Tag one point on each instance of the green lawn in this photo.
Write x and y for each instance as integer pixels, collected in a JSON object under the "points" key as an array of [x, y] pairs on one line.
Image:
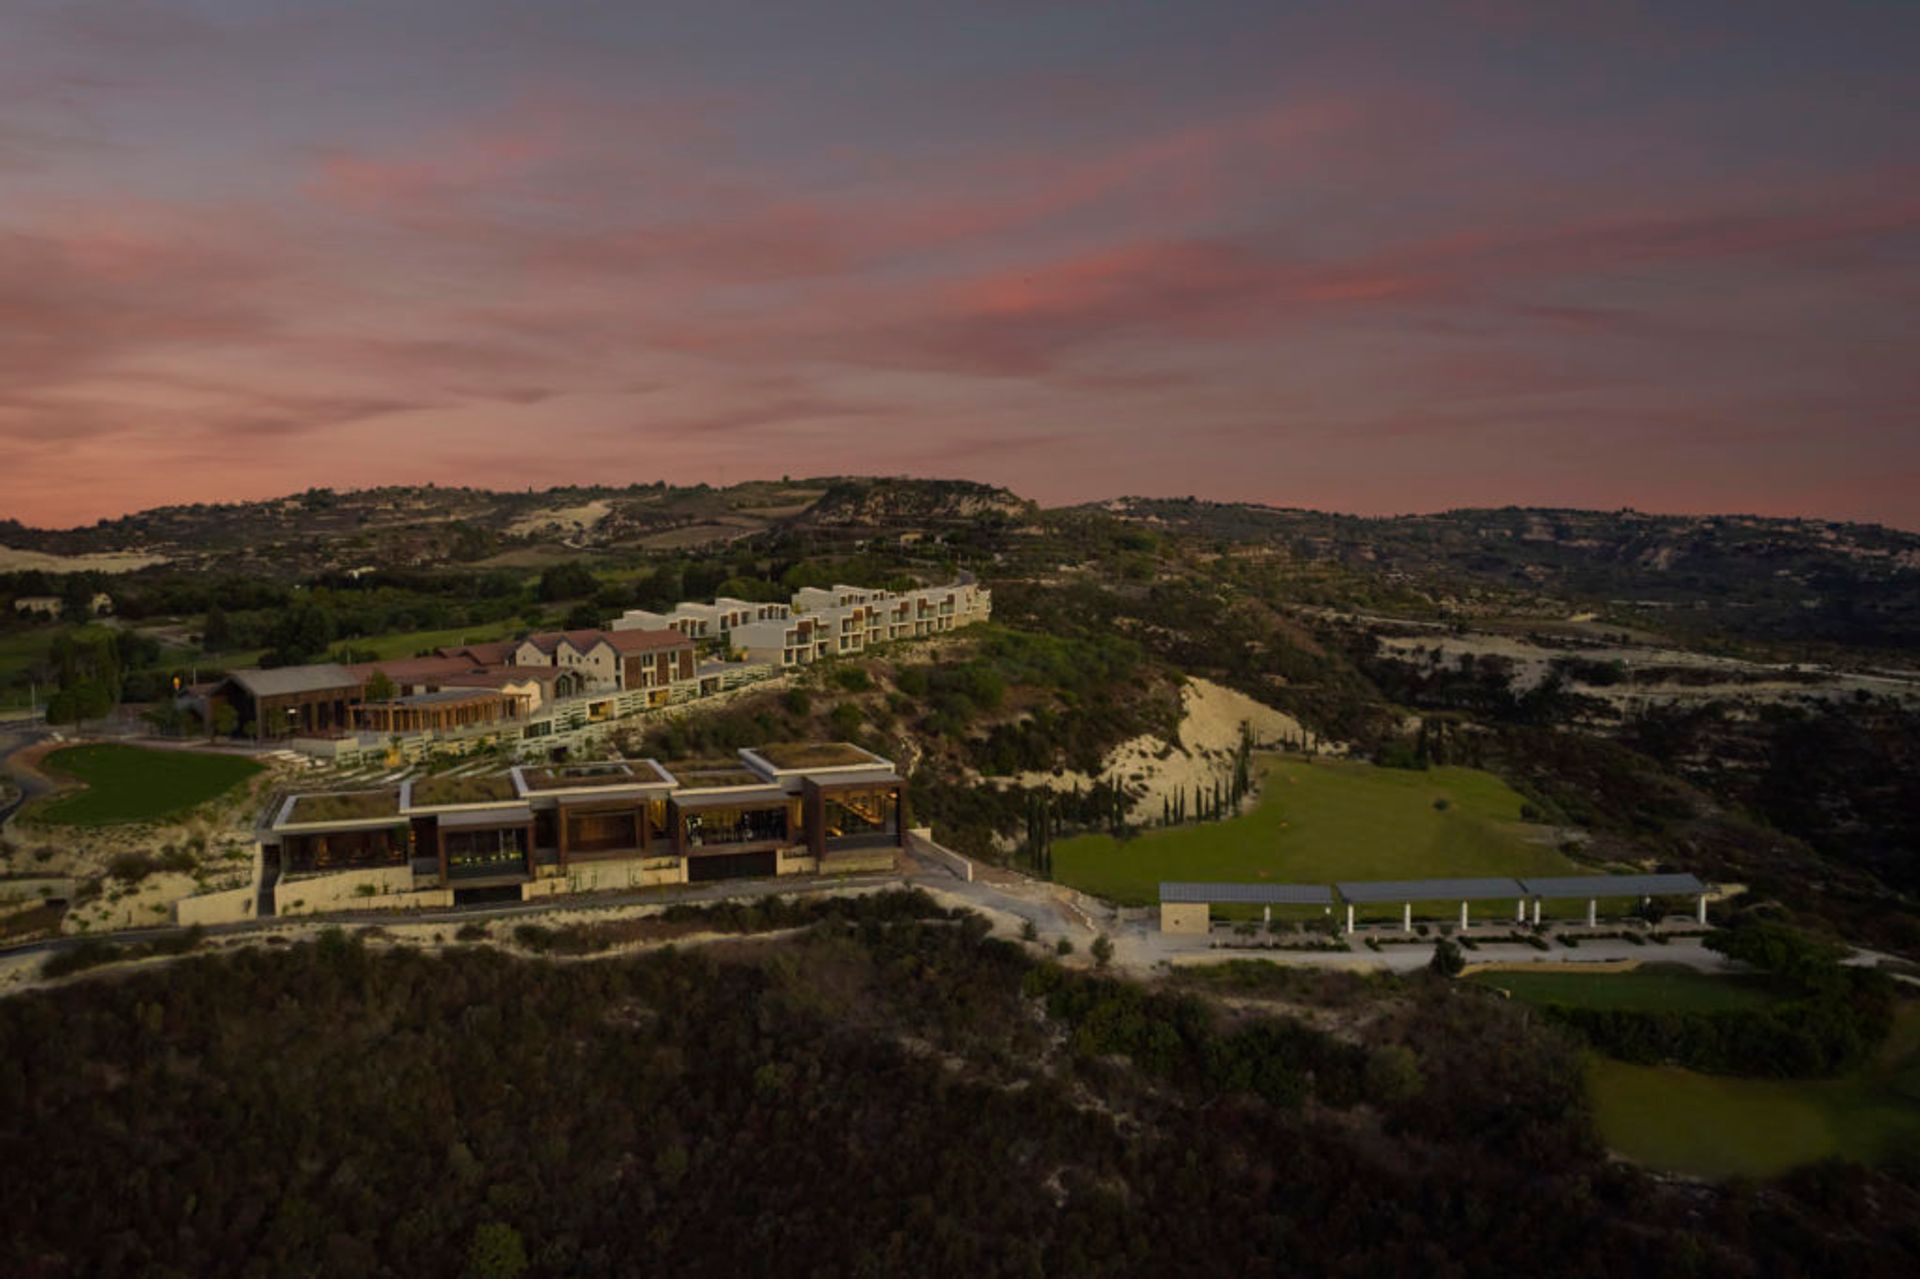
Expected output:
{"points": [[1320, 822], [132, 784], [1713, 1126], [1649, 988], [408, 643], [20, 652]]}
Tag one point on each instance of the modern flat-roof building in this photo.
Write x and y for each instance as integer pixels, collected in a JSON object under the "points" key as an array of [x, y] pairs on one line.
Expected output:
{"points": [[539, 830], [290, 701]]}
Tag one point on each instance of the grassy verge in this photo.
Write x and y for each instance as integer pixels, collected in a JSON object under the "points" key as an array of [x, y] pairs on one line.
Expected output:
{"points": [[1714, 1126], [1652, 988], [1320, 822], [408, 643], [131, 784]]}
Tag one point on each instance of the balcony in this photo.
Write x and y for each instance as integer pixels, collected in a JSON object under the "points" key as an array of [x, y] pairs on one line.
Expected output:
{"points": [[863, 840]]}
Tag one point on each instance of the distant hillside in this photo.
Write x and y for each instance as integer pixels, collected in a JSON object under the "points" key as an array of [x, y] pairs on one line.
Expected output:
{"points": [[322, 530], [1732, 575], [1790, 580]]}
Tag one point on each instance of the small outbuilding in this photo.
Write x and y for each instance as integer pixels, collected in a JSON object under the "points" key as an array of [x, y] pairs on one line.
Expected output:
{"points": [[1188, 907]]}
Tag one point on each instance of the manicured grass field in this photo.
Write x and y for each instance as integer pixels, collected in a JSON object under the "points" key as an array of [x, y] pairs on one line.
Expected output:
{"points": [[1650, 988], [1320, 822], [407, 643], [130, 784], [1713, 1126]]}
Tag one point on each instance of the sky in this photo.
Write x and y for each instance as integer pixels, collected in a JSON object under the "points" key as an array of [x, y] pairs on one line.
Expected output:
{"points": [[1359, 256]]}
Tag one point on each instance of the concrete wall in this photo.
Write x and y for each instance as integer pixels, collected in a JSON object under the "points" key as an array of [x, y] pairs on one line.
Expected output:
{"points": [[234, 906], [607, 876], [392, 890], [1184, 917], [33, 890], [859, 862]]}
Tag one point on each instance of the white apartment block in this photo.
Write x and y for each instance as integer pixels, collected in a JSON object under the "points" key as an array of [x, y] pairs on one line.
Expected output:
{"points": [[849, 619], [715, 621]]}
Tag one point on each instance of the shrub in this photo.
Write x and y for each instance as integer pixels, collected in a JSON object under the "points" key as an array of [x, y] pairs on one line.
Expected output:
{"points": [[1063, 947], [497, 1252], [471, 932], [90, 953], [1393, 1075], [1447, 959], [1102, 951]]}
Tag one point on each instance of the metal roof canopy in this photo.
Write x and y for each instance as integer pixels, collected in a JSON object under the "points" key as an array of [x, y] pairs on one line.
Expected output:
{"points": [[1363, 892], [1591, 886], [1261, 894]]}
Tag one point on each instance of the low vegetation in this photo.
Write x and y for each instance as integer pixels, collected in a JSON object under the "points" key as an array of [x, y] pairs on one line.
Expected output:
{"points": [[329, 1108]]}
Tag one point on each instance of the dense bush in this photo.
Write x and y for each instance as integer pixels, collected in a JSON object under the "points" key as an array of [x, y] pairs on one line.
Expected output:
{"points": [[875, 1098]]}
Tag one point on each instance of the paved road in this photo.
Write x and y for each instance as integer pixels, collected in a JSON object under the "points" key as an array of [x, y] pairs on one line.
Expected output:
{"points": [[721, 891], [16, 735]]}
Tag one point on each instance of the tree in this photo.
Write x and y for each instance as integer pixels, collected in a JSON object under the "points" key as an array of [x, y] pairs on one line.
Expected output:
{"points": [[1447, 959], [301, 634], [380, 688], [225, 720], [1393, 1074], [566, 581], [584, 616], [659, 590], [76, 597], [845, 720], [1102, 951], [216, 633], [497, 1252]]}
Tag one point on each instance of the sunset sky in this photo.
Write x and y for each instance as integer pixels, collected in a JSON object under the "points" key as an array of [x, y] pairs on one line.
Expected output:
{"points": [[1359, 256]]}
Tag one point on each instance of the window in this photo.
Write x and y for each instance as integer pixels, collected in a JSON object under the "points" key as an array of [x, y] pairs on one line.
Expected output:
{"points": [[710, 826], [502, 851], [861, 819]]}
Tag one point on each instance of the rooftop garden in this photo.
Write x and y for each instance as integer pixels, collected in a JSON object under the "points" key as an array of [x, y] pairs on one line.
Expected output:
{"points": [[698, 773], [814, 755], [607, 774], [491, 789], [346, 806]]}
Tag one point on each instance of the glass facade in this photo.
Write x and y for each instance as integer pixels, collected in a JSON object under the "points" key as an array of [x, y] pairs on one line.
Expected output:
{"points": [[861, 819], [500, 851], [707, 827], [344, 850]]}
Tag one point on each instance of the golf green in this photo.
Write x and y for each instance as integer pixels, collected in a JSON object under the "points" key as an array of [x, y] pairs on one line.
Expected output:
{"points": [[133, 784], [1316, 822]]}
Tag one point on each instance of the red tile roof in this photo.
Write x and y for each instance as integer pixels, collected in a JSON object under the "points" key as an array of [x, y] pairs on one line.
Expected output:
{"points": [[407, 670], [637, 641], [491, 653]]}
